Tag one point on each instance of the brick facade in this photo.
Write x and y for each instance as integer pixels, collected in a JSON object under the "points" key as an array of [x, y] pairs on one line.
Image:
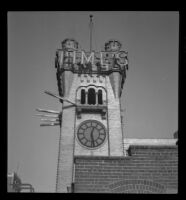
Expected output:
{"points": [[147, 169]]}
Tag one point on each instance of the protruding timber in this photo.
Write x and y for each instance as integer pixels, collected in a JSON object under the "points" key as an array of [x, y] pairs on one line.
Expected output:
{"points": [[50, 124], [55, 121], [60, 98], [53, 116], [47, 111], [50, 120]]}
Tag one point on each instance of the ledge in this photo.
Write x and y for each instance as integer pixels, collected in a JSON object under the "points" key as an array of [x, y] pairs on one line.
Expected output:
{"points": [[77, 71], [148, 143], [134, 141], [102, 109], [99, 157], [95, 107]]}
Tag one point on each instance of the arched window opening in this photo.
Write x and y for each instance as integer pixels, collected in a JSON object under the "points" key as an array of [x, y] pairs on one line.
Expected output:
{"points": [[82, 96], [100, 98], [91, 96]]}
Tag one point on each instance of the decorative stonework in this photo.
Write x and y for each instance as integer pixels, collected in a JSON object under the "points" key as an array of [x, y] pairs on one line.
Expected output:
{"points": [[137, 186]]}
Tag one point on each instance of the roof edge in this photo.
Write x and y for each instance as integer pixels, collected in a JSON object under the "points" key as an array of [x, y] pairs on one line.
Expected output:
{"points": [[158, 142], [148, 142]]}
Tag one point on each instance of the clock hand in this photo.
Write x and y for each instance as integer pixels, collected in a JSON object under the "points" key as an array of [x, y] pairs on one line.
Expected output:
{"points": [[92, 139]]}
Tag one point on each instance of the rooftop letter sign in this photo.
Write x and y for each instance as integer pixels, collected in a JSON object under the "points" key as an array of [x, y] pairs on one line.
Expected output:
{"points": [[70, 56]]}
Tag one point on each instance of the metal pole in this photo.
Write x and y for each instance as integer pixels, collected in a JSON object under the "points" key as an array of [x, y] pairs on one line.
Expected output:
{"points": [[91, 24]]}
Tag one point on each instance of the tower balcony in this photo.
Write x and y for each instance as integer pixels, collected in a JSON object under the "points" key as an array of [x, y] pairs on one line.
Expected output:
{"points": [[87, 108]]}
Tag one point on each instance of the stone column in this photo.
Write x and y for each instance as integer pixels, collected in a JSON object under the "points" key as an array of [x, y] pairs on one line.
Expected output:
{"points": [[86, 97], [96, 98]]}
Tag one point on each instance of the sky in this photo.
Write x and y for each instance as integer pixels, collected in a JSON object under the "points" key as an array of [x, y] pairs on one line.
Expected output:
{"points": [[150, 93]]}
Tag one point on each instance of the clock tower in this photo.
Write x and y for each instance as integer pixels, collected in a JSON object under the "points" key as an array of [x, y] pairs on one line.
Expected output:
{"points": [[90, 86], [94, 155]]}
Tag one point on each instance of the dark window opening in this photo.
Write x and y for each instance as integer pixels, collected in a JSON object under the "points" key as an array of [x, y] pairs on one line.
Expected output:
{"points": [[91, 96], [100, 99], [82, 96]]}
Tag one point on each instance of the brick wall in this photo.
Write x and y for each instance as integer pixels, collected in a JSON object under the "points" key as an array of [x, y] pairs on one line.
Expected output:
{"points": [[147, 169]]}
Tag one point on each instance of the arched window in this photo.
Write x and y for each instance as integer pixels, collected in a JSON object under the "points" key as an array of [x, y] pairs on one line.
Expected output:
{"points": [[82, 96], [91, 96], [100, 98]]}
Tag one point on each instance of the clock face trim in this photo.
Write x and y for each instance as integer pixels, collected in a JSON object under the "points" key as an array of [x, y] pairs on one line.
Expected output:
{"points": [[91, 134]]}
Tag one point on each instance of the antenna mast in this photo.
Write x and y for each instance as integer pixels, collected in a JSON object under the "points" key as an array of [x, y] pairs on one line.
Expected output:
{"points": [[91, 25]]}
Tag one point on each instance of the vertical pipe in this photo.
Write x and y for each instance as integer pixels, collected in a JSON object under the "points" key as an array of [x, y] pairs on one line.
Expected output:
{"points": [[122, 128], [73, 168]]}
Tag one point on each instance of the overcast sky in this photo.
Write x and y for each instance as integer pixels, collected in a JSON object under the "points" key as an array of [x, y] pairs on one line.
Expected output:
{"points": [[150, 94]]}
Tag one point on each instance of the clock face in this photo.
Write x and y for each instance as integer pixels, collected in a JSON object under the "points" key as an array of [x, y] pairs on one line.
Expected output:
{"points": [[91, 133]]}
